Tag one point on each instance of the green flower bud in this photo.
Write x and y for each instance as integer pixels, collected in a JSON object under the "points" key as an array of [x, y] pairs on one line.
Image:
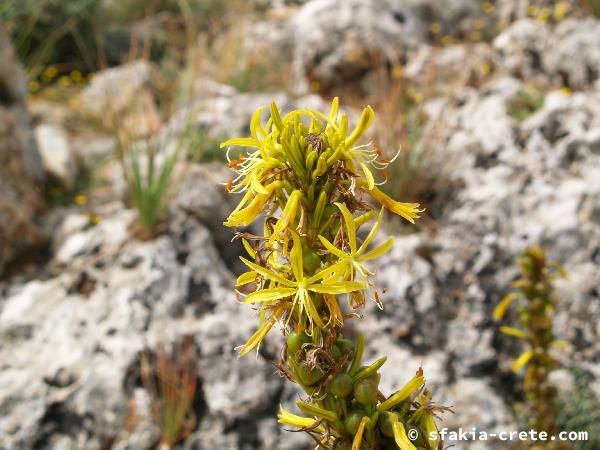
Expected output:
{"points": [[296, 340], [365, 391], [353, 421], [341, 385]]}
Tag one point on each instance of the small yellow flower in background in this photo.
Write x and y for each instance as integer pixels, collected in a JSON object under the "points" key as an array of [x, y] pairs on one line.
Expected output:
{"points": [[49, 73], [448, 40], [565, 90], [488, 7], [479, 24], [315, 86], [94, 219], [435, 28], [475, 36], [543, 16], [397, 72], [485, 69], [33, 86], [80, 199], [561, 9], [76, 76], [64, 81], [532, 10]]}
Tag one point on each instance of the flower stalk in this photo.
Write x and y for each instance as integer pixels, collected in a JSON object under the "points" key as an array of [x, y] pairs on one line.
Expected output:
{"points": [[536, 307], [307, 179]]}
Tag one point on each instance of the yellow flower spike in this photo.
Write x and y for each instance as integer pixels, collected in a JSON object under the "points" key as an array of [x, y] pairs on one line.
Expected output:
{"points": [[357, 441], [410, 211], [407, 390], [262, 331], [522, 361], [515, 332], [400, 436], [287, 418], [364, 123], [502, 307]]}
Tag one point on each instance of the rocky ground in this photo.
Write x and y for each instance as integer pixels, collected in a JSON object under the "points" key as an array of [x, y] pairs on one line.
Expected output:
{"points": [[75, 325]]}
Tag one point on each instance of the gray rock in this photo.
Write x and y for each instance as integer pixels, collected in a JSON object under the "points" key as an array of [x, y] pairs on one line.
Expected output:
{"points": [[21, 170], [337, 41], [58, 159]]}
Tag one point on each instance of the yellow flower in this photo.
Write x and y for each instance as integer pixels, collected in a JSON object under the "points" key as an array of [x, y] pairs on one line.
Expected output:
{"points": [[354, 260], [522, 361], [287, 418], [407, 390], [262, 331], [502, 307], [400, 436], [243, 215], [410, 211], [300, 288]]}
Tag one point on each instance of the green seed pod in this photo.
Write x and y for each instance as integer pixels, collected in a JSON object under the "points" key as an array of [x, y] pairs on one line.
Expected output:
{"points": [[311, 261], [345, 345], [352, 421], [309, 377], [365, 391], [336, 353], [341, 385], [296, 340], [385, 423]]}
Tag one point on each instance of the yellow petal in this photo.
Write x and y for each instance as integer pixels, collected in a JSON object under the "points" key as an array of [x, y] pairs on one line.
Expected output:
{"points": [[332, 248], [514, 332], [335, 106], [350, 228], [287, 418], [365, 121], [310, 309], [368, 175], [262, 331], [249, 248], [296, 257], [400, 436], [522, 361], [242, 142], [335, 313], [502, 307], [337, 287], [269, 274], [317, 411], [268, 295], [561, 344], [378, 251], [373, 230], [356, 443], [410, 211], [288, 215], [245, 278], [407, 390]]}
